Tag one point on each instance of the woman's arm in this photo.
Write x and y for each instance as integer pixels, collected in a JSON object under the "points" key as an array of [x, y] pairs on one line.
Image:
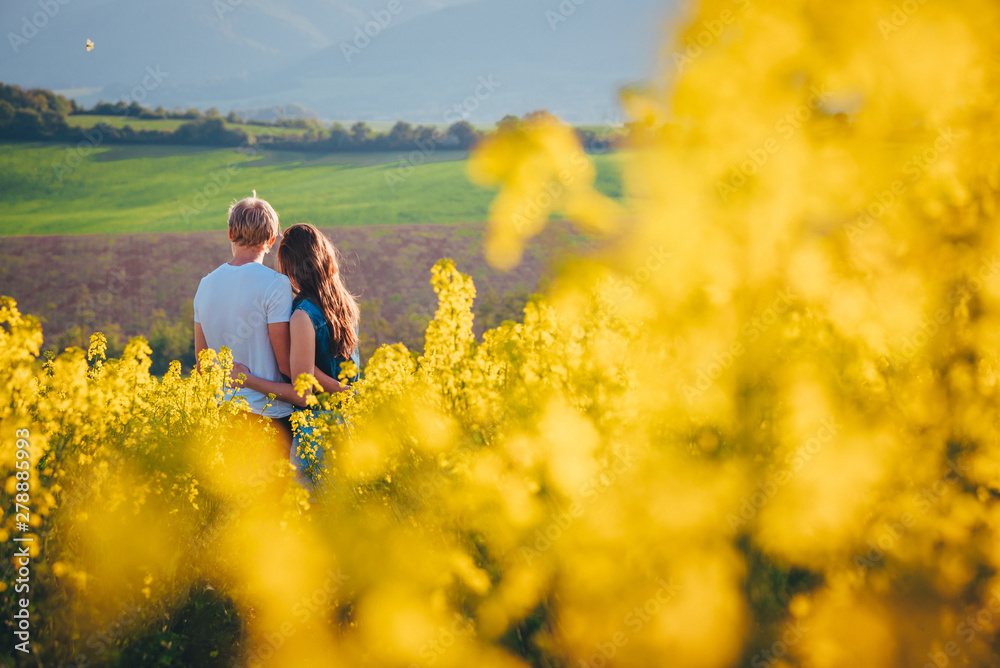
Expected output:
{"points": [[281, 391], [301, 359], [286, 391], [280, 334], [330, 385], [302, 355]]}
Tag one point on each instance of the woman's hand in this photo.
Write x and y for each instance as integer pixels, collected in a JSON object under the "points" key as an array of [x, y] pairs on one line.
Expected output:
{"points": [[238, 369]]}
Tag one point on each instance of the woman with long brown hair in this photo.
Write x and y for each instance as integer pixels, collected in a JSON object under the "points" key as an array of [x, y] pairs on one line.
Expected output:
{"points": [[324, 322]]}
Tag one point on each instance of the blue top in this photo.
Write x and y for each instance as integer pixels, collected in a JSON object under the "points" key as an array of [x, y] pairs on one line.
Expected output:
{"points": [[325, 361]]}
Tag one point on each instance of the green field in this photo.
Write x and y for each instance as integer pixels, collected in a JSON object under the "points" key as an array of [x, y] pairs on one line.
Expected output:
{"points": [[131, 189], [171, 124]]}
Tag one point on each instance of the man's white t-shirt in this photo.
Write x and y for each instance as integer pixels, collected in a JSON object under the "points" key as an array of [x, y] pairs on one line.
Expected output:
{"points": [[234, 306]]}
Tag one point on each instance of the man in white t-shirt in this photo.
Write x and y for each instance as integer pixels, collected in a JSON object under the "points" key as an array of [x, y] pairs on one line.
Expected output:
{"points": [[246, 307]]}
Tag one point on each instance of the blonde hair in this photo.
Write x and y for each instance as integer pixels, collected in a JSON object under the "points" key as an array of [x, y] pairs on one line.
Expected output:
{"points": [[253, 222]]}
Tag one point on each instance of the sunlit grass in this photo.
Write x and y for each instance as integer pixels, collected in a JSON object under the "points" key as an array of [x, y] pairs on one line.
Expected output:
{"points": [[126, 189]]}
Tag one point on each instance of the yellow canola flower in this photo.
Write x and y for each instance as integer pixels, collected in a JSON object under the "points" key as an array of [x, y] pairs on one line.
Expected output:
{"points": [[541, 169]]}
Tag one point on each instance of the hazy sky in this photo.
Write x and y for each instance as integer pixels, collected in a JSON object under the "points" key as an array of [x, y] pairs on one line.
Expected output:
{"points": [[369, 59]]}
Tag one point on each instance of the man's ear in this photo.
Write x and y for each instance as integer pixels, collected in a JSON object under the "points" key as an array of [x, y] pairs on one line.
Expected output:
{"points": [[230, 235]]}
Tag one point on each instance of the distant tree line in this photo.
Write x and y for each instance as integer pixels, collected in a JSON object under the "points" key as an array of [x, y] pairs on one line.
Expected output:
{"points": [[40, 115], [33, 114], [136, 110]]}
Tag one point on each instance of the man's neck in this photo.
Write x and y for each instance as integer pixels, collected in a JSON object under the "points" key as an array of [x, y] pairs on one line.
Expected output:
{"points": [[243, 255]]}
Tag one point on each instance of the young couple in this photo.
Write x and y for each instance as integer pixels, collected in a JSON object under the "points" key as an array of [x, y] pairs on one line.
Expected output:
{"points": [[274, 335]]}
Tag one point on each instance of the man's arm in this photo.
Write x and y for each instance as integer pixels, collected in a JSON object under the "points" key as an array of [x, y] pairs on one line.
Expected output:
{"points": [[199, 343], [281, 342], [281, 391]]}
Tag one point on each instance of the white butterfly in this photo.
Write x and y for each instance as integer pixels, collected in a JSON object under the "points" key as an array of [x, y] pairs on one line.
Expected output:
{"points": [[90, 45]]}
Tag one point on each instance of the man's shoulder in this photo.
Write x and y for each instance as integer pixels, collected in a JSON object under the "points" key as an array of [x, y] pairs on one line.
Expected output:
{"points": [[212, 277], [256, 272], [217, 270], [266, 274]]}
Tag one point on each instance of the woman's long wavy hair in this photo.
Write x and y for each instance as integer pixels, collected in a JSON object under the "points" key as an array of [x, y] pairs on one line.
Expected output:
{"points": [[309, 260]]}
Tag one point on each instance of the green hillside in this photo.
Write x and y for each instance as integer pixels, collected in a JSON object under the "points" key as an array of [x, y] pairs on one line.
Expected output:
{"points": [[50, 189]]}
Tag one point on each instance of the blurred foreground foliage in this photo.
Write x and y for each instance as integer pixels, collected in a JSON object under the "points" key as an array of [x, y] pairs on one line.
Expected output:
{"points": [[758, 427]]}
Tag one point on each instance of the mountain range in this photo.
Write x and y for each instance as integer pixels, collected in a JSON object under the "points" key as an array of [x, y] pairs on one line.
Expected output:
{"points": [[427, 61]]}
